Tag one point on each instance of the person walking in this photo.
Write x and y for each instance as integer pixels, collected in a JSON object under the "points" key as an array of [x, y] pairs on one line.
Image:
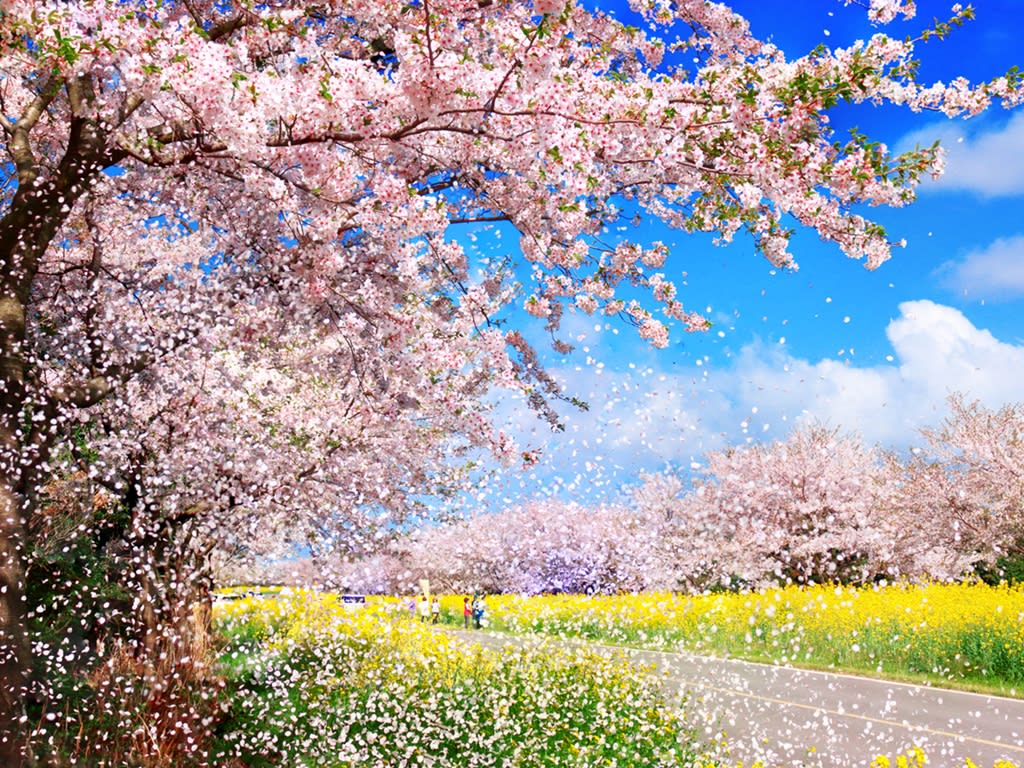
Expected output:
{"points": [[435, 611], [466, 611]]}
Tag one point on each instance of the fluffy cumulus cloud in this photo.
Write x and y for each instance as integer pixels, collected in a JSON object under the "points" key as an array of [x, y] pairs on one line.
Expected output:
{"points": [[645, 417], [937, 351], [988, 163], [995, 272]]}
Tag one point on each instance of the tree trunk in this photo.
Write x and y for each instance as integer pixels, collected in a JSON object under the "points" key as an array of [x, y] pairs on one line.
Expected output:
{"points": [[15, 657], [35, 213], [15, 660]]}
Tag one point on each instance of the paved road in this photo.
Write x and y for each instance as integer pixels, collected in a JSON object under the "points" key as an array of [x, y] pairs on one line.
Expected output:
{"points": [[793, 717]]}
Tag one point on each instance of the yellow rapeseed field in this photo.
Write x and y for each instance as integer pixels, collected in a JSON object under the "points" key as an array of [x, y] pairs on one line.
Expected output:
{"points": [[969, 632]]}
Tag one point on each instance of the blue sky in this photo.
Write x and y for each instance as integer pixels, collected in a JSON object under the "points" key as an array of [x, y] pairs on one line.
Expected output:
{"points": [[874, 353]]}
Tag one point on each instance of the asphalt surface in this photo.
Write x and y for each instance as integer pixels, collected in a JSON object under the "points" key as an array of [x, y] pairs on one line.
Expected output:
{"points": [[798, 718]]}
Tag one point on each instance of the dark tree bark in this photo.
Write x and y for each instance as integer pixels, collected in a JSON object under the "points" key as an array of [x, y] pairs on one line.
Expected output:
{"points": [[38, 208]]}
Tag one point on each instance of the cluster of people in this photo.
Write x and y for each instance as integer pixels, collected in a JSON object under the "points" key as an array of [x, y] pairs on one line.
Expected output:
{"points": [[474, 609], [429, 609]]}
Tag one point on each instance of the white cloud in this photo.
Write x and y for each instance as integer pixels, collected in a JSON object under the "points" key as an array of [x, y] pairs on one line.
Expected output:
{"points": [[989, 163], [938, 351], [646, 417], [941, 351], [995, 272]]}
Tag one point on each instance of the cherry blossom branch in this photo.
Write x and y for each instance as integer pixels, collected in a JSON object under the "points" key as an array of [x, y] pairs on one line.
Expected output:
{"points": [[19, 146]]}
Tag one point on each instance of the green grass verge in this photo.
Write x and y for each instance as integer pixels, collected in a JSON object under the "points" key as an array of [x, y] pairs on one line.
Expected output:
{"points": [[995, 674]]}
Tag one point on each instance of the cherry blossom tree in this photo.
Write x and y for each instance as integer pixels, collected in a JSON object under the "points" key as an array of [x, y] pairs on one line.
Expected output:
{"points": [[194, 185], [818, 506], [545, 547], [262, 454], [693, 540], [804, 510], [318, 441], [974, 477], [921, 504]]}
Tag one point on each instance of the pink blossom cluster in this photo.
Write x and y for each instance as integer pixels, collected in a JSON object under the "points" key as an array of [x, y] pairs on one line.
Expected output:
{"points": [[542, 547]]}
